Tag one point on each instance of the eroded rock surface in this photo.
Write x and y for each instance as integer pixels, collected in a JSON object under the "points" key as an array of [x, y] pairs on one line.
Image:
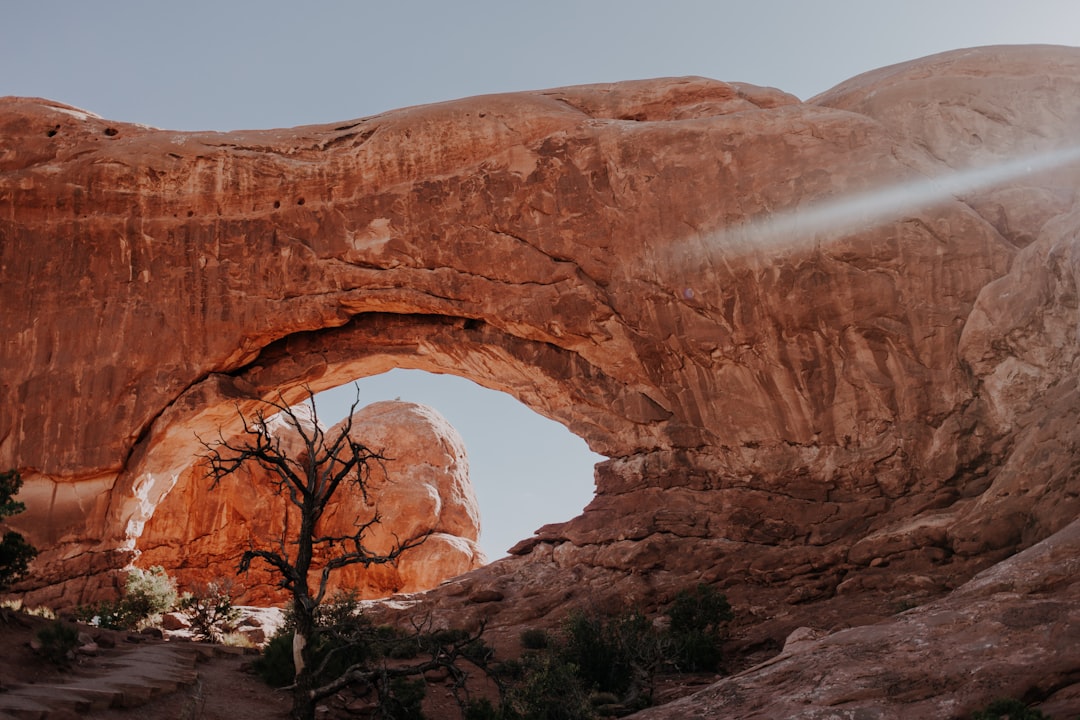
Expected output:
{"points": [[1010, 632], [825, 407], [422, 489]]}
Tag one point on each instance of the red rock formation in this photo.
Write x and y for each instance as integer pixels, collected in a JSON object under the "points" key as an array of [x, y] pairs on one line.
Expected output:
{"points": [[422, 489], [825, 408], [1008, 633]]}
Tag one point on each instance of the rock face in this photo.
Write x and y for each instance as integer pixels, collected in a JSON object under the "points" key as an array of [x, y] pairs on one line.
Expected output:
{"points": [[828, 347], [422, 489], [1009, 632]]}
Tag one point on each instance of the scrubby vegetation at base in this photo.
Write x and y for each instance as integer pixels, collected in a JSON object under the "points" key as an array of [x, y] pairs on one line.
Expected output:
{"points": [[607, 664], [390, 664], [596, 665]]}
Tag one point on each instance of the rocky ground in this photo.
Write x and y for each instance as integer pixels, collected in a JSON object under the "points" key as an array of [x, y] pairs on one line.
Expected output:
{"points": [[124, 679]]}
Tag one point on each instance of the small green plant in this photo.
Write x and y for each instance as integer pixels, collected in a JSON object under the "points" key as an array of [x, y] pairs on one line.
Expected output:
{"points": [[210, 610], [1008, 709], [696, 623], [147, 594], [15, 552], [57, 642]]}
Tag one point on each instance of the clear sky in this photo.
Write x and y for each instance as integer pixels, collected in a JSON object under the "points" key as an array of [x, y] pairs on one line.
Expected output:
{"points": [[224, 65]]}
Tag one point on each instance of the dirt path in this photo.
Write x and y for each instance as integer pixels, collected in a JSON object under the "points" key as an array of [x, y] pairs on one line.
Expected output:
{"points": [[126, 680], [222, 691]]}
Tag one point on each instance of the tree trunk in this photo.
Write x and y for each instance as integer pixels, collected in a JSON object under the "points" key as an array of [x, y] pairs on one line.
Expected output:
{"points": [[303, 704]]}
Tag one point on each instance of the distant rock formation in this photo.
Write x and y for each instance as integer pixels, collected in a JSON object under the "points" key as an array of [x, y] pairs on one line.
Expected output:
{"points": [[829, 348], [423, 489]]}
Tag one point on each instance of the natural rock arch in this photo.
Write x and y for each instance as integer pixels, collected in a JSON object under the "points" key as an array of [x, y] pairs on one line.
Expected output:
{"points": [[798, 402]]}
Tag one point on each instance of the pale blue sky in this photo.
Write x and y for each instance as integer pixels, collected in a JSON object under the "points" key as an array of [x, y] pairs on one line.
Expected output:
{"points": [[198, 65]]}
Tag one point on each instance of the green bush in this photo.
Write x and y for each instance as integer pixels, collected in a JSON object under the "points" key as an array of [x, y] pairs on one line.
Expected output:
{"points": [[595, 649], [620, 654], [147, 594], [275, 664], [58, 641], [343, 638], [696, 623], [613, 659], [551, 690], [15, 552], [1008, 709]]}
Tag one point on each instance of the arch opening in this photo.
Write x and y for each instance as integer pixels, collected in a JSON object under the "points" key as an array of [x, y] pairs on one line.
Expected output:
{"points": [[503, 410], [527, 471]]}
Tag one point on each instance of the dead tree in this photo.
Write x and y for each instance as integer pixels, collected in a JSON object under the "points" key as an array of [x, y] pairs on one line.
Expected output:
{"points": [[306, 557]]}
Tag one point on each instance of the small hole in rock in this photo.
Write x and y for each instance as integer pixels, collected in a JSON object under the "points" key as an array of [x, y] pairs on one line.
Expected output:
{"points": [[111, 132], [300, 201], [277, 204], [52, 133], [190, 213]]}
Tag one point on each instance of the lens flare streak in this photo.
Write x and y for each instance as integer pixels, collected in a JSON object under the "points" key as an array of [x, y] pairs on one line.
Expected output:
{"points": [[876, 207]]}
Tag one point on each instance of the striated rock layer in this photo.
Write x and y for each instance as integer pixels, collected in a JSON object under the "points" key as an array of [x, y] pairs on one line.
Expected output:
{"points": [[827, 407], [421, 489]]}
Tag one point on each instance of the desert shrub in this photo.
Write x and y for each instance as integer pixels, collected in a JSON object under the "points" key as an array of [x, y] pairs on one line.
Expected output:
{"points": [[613, 659], [275, 665], [535, 639], [57, 643], [696, 622], [551, 689], [147, 594], [1008, 709], [594, 649], [482, 709], [210, 610], [402, 698], [111, 614], [617, 654], [343, 638], [15, 552], [151, 589]]}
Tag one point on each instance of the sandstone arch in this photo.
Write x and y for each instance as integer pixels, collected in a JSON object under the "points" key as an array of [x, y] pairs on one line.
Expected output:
{"points": [[799, 402]]}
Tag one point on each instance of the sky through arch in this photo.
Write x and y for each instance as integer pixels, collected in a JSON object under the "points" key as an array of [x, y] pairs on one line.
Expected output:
{"points": [[542, 473]]}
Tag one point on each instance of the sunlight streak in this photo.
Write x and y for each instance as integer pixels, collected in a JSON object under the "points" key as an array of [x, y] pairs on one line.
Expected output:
{"points": [[870, 209]]}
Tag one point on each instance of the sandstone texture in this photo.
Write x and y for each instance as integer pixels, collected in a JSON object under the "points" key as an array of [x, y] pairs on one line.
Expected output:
{"points": [[422, 489], [828, 347]]}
